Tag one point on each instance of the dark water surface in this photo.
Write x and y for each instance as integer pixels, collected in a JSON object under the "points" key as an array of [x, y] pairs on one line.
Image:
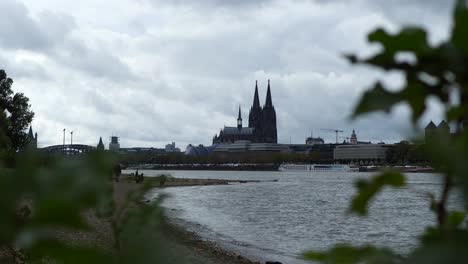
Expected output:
{"points": [[279, 220]]}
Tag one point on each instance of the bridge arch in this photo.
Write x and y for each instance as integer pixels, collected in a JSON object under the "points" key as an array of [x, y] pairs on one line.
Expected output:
{"points": [[69, 150]]}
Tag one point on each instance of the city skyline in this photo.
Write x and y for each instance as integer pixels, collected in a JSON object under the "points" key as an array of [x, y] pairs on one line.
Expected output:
{"points": [[151, 76]]}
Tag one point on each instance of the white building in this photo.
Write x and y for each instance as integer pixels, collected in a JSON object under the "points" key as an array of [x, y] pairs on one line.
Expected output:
{"points": [[364, 152], [114, 145], [171, 148]]}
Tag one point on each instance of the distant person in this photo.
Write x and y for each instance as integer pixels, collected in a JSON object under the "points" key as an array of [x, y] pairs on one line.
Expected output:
{"points": [[136, 176], [116, 172], [141, 178]]}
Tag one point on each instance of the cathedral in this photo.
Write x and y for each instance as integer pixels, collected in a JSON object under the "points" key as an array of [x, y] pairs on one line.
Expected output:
{"points": [[262, 123]]}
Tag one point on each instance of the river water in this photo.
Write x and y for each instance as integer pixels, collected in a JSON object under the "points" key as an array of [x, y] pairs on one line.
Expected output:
{"points": [[301, 211]]}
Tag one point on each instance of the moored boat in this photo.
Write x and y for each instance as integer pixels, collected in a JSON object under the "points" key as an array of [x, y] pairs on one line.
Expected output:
{"points": [[318, 167]]}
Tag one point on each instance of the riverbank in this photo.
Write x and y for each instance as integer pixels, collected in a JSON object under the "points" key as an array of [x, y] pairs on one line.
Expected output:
{"points": [[269, 167], [178, 240], [109, 233], [219, 167]]}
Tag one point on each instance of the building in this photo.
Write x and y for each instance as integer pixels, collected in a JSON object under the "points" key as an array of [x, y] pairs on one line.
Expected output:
{"points": [[100, 145], [314, 141], [114, 144], [142, 150], [199, 150], [262, 126], [32, 138], [247, 146], [431, 131], [353, 139], [171, 148], [360, 153]]}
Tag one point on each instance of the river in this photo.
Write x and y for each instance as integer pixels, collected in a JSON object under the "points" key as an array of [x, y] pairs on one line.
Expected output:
{"points": [[279, 220]]}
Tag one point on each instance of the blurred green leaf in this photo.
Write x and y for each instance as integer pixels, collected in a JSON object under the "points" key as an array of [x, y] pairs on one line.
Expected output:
{"points": [[367, 189], [460, 29], [441, 246], [455, 219], [346, 254], [376, 99], [409, 39]]}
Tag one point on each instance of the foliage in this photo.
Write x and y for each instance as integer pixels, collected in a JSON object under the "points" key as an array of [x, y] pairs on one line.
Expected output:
{"points": [[367, 189], [54, 197], [403, 153], [435, 71], [16, 114]]}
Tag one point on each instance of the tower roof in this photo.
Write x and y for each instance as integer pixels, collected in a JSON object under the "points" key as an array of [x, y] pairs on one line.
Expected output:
{"points": [[240, 115], [431, 125], [30, 134], [443, 124], [256, 101], [268, 101]]}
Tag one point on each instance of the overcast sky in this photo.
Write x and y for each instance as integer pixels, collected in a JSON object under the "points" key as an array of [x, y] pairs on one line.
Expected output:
{"points": [[156, 71]]}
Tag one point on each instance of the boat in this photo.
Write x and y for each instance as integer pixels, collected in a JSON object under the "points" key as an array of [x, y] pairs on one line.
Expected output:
{"points": [[318, 167]]}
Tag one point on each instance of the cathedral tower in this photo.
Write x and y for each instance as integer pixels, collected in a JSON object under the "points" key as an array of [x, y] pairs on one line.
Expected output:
{"points": [[255, 115], [270, 134]]}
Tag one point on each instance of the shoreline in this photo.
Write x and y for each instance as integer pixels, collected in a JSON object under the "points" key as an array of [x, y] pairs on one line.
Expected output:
{"points": [[267, 167], [188, 242]]}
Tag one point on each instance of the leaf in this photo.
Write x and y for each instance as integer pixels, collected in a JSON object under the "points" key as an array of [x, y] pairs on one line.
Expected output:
{"points": [[455, 219], [460, 29], [410, 39], [350, 254], [368, 189], [441, 246], [376, 99], [415, 95]]}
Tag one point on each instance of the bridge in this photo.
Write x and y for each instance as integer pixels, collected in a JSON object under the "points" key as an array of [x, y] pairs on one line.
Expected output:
{"points": [[69, 150]]}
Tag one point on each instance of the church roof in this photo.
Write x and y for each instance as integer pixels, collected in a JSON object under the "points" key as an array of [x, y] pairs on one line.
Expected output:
{"points": [[256, 101], [443, 124], [268, 101], [31, 134], [431, 125], [237, 131]]}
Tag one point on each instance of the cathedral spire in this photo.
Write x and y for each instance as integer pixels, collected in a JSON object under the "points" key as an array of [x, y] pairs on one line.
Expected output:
{"points": [[268, 102], [31, 135], [256, 102], [100, 145]]}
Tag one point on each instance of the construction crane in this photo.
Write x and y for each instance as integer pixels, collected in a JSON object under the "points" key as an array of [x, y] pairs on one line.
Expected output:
{"points": [[333, 130]]}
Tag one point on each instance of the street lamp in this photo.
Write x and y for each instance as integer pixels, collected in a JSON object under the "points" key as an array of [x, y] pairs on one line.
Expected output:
{"points": [[63, 149], [71, 141]]}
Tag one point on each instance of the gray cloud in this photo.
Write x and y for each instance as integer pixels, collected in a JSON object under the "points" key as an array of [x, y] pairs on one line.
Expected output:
{"points": [[18, 30], [177, 72]]}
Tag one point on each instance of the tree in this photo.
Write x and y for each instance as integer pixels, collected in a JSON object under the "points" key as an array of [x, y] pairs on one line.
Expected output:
{"points": [[16, 114], [398, 153]]}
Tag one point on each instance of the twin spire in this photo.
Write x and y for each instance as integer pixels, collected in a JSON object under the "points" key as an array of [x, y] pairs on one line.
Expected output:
{"points": [[268, 101]]}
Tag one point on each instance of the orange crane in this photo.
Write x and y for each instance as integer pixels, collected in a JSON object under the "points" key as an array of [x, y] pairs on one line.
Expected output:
{"points": [[333, 130]]}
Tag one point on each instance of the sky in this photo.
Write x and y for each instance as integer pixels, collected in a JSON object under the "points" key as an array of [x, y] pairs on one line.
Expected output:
{"points": [[157, 71]]}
